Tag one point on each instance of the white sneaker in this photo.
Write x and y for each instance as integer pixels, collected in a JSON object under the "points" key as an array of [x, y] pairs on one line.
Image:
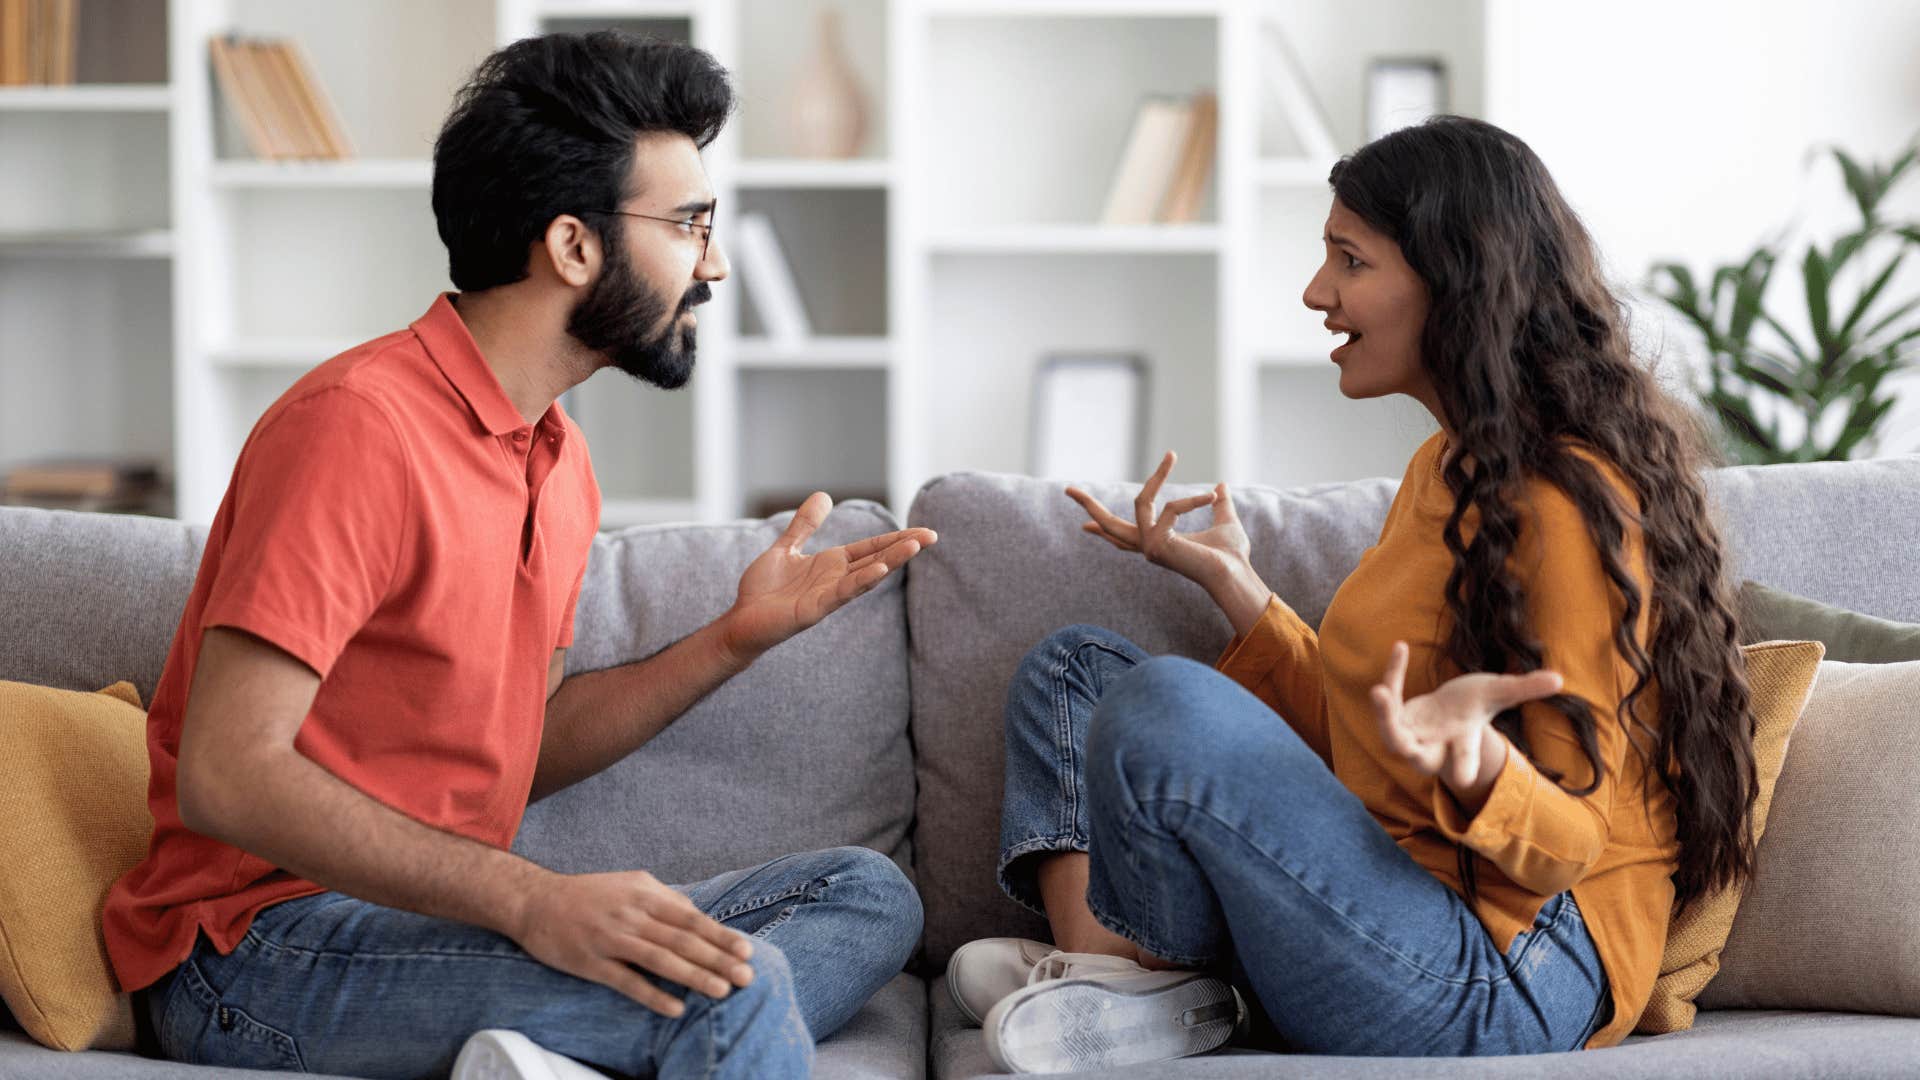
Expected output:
{"points": [[498, 1054], [1073, 1015], [985, 970]]}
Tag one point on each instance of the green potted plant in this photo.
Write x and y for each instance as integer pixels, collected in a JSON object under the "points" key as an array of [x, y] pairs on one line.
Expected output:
{"points": [[1857, 335]]}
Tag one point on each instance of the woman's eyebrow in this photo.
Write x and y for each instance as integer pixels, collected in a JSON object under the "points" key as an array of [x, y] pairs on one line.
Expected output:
{"points": [[1336, 238]]}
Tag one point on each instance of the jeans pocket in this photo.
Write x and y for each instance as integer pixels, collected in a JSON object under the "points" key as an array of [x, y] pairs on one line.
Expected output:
{"points": [[199, 1028]]}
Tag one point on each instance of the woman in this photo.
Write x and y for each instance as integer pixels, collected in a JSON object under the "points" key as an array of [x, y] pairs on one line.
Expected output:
{"points": [[1518, 740]]}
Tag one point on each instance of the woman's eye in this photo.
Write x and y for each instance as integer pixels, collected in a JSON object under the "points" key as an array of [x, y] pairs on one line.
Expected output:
{"points": [[1353, 263]]}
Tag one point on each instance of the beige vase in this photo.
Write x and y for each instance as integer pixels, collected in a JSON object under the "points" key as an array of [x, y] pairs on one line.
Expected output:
{"points": [[828, 108]]}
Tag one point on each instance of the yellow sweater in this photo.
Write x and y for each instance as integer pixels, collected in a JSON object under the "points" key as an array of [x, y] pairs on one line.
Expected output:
{"points": [[1615, 847]]}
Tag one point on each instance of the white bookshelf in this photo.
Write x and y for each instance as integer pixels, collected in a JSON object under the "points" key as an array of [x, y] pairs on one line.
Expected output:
{"points": [[938, 266]]}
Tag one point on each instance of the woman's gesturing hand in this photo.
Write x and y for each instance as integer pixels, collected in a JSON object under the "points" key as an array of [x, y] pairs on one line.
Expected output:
{"points": [[1449, 732], [1216, 558]]}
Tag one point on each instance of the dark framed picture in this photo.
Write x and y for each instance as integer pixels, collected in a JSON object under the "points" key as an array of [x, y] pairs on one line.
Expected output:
{"points": [[1089, 417], [1403, 91]]}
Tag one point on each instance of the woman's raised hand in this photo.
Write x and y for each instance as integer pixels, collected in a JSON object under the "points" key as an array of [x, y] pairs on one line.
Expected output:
{"points": [[1217, 558]]}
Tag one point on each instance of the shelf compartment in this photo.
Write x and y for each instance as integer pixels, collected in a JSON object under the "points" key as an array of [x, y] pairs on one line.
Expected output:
{"points": [[1306, 427], [835, 242], [1069, 141], [806, 431]]}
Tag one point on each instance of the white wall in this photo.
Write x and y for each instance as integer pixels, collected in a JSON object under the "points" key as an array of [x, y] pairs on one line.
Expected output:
{"points": [[1679, 130]]}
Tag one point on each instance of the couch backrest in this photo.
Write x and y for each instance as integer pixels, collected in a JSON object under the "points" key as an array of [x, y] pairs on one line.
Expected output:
{"points": [[808, 749], [1012, 565]]}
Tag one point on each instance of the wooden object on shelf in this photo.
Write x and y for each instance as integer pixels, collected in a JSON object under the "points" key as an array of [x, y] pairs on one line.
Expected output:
{"points": [[1147, 165], [828, 108], [1189, 185], [283, 110], [131, 484], [37, 42]]}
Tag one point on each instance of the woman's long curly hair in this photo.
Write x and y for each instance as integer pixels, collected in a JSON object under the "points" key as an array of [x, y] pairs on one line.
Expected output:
{"points": [[1527, 349]]}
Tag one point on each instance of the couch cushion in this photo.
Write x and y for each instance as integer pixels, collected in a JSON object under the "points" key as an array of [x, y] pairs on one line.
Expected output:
{"points": [[1012, 565], [1729, 1045], [1769, 614], [88, 600], [73, 794], [1829, 921], [886, 1040], [808, 749], [1780, 674]]}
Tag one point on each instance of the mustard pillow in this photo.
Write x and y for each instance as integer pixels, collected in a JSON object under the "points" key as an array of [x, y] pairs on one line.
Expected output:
{"points": [[73, 797], [1780, 675]]}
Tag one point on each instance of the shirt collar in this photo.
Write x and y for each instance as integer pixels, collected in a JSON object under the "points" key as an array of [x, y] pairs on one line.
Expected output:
{"points": [[452, 347]]}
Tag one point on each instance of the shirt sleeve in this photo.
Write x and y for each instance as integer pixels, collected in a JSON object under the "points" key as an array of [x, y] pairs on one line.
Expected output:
{"points": [[565, 641], [1278, 659], [1543, 838], [317, 516]]}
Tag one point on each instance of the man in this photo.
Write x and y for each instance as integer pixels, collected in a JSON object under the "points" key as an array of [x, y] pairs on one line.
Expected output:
{"points": [[367, 685]]}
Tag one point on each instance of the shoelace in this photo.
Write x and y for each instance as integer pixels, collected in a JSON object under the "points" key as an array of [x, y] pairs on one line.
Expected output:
{"points": [[1059, 965]]}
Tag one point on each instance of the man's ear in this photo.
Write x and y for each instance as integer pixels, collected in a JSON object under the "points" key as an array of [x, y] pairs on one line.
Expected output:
{"points": [[570, 250]]}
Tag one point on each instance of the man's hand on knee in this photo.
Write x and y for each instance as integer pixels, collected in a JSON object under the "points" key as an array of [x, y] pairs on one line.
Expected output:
{"points": [[601, 927]]}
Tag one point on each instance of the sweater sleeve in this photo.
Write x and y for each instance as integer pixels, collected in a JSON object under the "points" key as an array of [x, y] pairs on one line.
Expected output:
{"points": [[1278, 659], [1542, 837]]}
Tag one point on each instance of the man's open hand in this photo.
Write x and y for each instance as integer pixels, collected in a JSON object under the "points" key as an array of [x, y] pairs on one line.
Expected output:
{"points": [[783, 592]]}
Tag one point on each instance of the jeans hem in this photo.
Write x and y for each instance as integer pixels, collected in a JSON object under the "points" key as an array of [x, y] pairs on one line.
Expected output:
{"points": [[1060, 844]]}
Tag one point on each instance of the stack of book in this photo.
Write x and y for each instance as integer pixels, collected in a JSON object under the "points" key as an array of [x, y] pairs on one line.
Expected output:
{"points": [[37, 42], [1163, 172], [769, 282], [270, 88], [125, 486]]}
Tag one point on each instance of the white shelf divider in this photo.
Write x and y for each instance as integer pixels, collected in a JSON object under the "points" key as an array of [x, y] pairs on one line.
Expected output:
{"points": [[1294, 172], [354, 173], [88, 97], [1077, 240], [820, 353], [280, 353], [130, 244], [777, 173]]}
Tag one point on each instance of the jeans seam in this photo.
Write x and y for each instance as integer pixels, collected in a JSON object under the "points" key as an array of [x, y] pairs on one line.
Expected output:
{"points": [[511, 952], [805, 889], [1356, 928], [1063, 727]]}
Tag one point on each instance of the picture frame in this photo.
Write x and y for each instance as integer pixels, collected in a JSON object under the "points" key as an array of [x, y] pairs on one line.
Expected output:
{"points": [[1088, 420], [1403, 91]]}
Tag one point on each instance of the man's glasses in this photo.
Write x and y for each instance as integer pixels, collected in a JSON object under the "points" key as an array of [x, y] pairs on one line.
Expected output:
{"points": [[705, 230]]}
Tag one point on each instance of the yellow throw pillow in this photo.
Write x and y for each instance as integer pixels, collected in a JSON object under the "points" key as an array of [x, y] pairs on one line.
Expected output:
{"points": [[73, 802], [1780, 675]]}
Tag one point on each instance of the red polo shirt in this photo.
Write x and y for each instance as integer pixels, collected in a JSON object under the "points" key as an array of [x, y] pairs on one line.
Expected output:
{"points": [[397, 526]]}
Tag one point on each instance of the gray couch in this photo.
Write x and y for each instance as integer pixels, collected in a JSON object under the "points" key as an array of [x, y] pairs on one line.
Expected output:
{"points": [[881, 727]]}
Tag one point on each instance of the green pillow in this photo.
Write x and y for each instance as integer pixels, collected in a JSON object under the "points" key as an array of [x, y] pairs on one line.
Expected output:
{"points": [[1767, 614]]}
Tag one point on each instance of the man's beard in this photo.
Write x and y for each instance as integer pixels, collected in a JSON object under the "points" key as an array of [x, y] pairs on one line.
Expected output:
{"points": [[616, 318]]}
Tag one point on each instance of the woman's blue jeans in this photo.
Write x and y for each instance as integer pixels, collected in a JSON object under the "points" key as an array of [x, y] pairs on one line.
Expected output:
{"points": [[1219, 840], [328, 983]]}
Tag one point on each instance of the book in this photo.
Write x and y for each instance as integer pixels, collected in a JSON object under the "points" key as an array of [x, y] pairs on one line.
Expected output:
{"points": [[1189, 185], [128, 480], [1147, 163], [1284, 79], [272, 91], [37, 42], [769, 281]]}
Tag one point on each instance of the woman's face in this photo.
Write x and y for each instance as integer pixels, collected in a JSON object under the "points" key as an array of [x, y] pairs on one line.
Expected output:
{"points": [[1367, 292]]}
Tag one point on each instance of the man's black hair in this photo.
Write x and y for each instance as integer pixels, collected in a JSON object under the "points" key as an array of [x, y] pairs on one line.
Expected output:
{"points": [[546, 126]]}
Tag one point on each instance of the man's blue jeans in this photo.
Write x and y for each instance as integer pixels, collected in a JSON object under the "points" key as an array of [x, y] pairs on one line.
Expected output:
{"points": [[328, 983], [1218, 839]]}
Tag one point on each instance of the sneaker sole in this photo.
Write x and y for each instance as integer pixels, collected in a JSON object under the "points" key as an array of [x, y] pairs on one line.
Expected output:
{"points": [[500, 1055], [1077, 1024]]}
